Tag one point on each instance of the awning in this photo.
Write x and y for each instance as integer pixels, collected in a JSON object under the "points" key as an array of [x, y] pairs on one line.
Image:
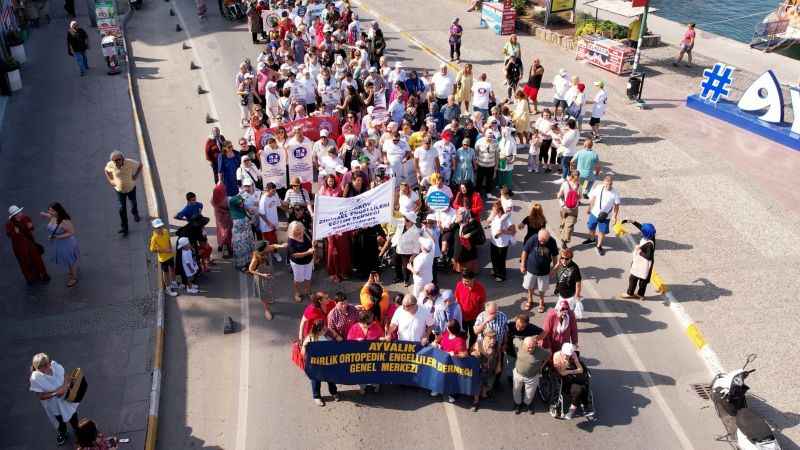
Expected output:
{"points": [[618, 7]]}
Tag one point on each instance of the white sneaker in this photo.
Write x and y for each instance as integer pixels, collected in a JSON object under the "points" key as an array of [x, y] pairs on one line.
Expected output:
{"points": [[192, 290], [434, 394], [173, 285], [451, 399], [169, 291], [194, 286]]}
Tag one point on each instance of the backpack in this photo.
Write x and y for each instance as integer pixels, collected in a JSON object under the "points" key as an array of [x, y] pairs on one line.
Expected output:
{"points": [[572, 198]]}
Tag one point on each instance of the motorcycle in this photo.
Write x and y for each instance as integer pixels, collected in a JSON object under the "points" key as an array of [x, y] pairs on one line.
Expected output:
{"points": [[745, 428]]}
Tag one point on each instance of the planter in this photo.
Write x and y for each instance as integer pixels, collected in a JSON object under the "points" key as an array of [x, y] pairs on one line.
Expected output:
{"points": [[15, 80], [18, 52]]}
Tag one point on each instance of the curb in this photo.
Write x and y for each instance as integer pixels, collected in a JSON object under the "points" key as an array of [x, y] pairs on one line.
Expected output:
{"points": [[153, 209], [690, 327]]}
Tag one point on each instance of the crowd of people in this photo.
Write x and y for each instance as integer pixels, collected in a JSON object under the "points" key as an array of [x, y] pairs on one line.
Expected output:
{"points": [[424, 132]]}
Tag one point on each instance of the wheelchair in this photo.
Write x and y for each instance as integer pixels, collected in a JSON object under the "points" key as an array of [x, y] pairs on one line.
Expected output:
{"points": [[552, 390]]}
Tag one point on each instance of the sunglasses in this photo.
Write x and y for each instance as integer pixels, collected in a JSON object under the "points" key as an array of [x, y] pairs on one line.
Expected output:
{"points": [[118, 160]]}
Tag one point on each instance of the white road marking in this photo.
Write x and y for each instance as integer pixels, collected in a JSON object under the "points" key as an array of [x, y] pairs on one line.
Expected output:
{"points": [[655, 393], [455, 430], [244, 365]]}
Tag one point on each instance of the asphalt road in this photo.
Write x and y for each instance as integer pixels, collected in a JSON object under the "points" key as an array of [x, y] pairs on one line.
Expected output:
{"points": [[241, 391]]}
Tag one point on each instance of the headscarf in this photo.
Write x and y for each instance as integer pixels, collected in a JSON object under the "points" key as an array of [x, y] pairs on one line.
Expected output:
{"points": [[648, 231], [563, 324]]}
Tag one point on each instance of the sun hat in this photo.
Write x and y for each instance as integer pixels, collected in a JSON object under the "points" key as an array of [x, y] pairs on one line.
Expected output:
{"points": [[183, 242], [157, 223], [13, 210], [568, 349], [562, 72]]}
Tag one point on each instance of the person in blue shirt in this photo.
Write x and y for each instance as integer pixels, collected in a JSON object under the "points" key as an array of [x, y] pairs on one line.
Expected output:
{"points": [[192, 209]]}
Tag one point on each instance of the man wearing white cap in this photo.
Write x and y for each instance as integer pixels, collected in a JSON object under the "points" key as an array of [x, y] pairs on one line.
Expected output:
{"points": [[421, 267], [161, 245], [561, 85], [77, 42], [443, 84], [19, 230], [598, 109]]}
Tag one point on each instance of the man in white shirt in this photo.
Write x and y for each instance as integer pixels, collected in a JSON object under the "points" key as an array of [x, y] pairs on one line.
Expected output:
{"points": [[598, 109], [406, 244], [603, 200], [309, 91], [426, 160], [482, 95], [443, 85], [411, 322], [561, 85], [322, 147], [272, 104], [447, 154], [397, 153], [421, 267]]}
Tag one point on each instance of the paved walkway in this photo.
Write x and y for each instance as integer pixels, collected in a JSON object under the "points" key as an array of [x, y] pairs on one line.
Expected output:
{"points": [[57, 135], [709, 188]]}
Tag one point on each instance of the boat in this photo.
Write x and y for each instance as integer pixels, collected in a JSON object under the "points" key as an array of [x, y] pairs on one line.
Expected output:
{"points": [[779, 31]]}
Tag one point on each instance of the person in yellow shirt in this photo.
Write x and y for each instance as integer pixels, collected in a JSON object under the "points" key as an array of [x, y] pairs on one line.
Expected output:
{"points": [[122, 174], [161, 245]]}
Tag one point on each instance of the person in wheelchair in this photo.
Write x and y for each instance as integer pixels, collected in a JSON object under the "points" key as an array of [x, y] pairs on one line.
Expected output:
{"points": [[574, 381]]}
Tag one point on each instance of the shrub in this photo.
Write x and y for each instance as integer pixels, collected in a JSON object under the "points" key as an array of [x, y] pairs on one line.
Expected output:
{"points": [[519, 6]]}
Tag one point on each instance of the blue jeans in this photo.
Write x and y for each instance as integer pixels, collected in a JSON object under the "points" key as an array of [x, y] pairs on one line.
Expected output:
{"points": [[589, 180], [83, 62], [565, 160], [316, 385], [122, 198]]}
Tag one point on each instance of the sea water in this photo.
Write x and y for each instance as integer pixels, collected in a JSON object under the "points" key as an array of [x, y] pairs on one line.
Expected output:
{"points": [[735, 19]]}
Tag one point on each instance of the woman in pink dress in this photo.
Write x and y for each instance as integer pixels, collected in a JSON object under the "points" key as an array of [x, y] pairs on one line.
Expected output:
{"points": [[337, 261], [219, 201], [454, 342]]}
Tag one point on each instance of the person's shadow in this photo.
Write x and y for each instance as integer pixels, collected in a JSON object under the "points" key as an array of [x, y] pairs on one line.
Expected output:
{"points": [[701, 290]]}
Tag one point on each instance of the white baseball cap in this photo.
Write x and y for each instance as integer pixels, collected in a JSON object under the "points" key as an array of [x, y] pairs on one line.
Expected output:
{"points": [[562, 72], [324, 132], [13, 210], [183, 242], [157, 223], [247, 182]]}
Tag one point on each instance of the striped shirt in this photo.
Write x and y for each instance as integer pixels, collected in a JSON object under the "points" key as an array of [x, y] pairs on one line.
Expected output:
{"points": [[499, 325]]}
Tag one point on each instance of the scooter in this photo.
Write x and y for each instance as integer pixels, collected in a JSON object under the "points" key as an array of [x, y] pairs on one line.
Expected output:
{"points": [[745, 428]]}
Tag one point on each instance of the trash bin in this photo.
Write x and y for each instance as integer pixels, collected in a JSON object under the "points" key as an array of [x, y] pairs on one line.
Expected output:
{"points": [[635, 84]]}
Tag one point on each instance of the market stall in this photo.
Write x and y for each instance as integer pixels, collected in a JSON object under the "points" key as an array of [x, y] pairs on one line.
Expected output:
{"points": [[500, 17], [612, 55]]}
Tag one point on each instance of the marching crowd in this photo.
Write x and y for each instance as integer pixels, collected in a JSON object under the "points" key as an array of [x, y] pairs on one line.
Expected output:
{"points": [[427, 133]]}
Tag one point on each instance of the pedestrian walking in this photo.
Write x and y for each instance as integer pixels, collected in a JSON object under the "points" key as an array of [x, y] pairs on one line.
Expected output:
{"points": [[456, 30], [598, 109], [545, 129], [19, 229], [442, 85], [48, 379], [569, 197], [77, 41], [242, 232], [534, 84], [587, 163], [568, 282], [259, 268], [561, 85], [513, 49], [539, 257], [569, 146], [186, 265], [603, 201], [301, 259], [222, 217], [227, 164], [642, 261], [122, 173], [482, 96], [317, 334], [513, 72], [487, 151], [687, 44], [530, 358], [521, 116], [161, 245], [502, 236], [63, 246], [534, 221]]}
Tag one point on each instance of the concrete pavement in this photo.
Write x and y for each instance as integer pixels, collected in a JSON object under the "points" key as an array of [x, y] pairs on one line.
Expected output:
{"points": [[57, 135], [241, 391]]}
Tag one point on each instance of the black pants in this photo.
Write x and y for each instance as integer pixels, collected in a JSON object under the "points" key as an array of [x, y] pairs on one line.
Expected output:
{"points": [[69, 7], [435, 271], [400, 270], [469, 328], [455, 50], [255, 37], [62, 426], [633, 281], [215, 171], [512, 87], [122, 198], [498, 256], [576, 391], [545, 154], [485, 180]]}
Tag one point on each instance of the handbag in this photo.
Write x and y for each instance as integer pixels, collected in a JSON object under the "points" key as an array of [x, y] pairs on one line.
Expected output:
{"points": [[603, 216], [77, 386], [578, 310]]}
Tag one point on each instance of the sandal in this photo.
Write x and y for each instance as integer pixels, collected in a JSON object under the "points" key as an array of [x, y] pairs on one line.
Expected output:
{"points": [[298, 299], [72, 282], [526, 306], [541, 308]]}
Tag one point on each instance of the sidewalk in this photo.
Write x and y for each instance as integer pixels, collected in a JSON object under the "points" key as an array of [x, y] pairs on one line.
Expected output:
{"points": [[707, 186], [56, 138]]}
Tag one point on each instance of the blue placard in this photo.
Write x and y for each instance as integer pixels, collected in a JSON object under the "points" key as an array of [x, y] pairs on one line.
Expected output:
{"points": [[437, 201], [397, 362]]}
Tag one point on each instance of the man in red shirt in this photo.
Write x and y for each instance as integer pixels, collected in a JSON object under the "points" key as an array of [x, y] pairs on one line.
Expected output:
{"points": [[471, 296], [213, 149]]}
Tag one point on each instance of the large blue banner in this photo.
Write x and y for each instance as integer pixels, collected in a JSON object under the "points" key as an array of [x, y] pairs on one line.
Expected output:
{"points": [[398, 362]]}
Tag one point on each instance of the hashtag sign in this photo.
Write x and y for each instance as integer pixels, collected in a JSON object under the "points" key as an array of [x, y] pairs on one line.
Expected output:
{"points": [[716, 82]]}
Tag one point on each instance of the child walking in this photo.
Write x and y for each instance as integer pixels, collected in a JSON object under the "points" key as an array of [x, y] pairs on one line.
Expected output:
{"points": [[161, 245]]}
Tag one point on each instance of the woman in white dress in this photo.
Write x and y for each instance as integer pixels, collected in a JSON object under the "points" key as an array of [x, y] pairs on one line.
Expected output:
{"points": [[49, 381]]}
